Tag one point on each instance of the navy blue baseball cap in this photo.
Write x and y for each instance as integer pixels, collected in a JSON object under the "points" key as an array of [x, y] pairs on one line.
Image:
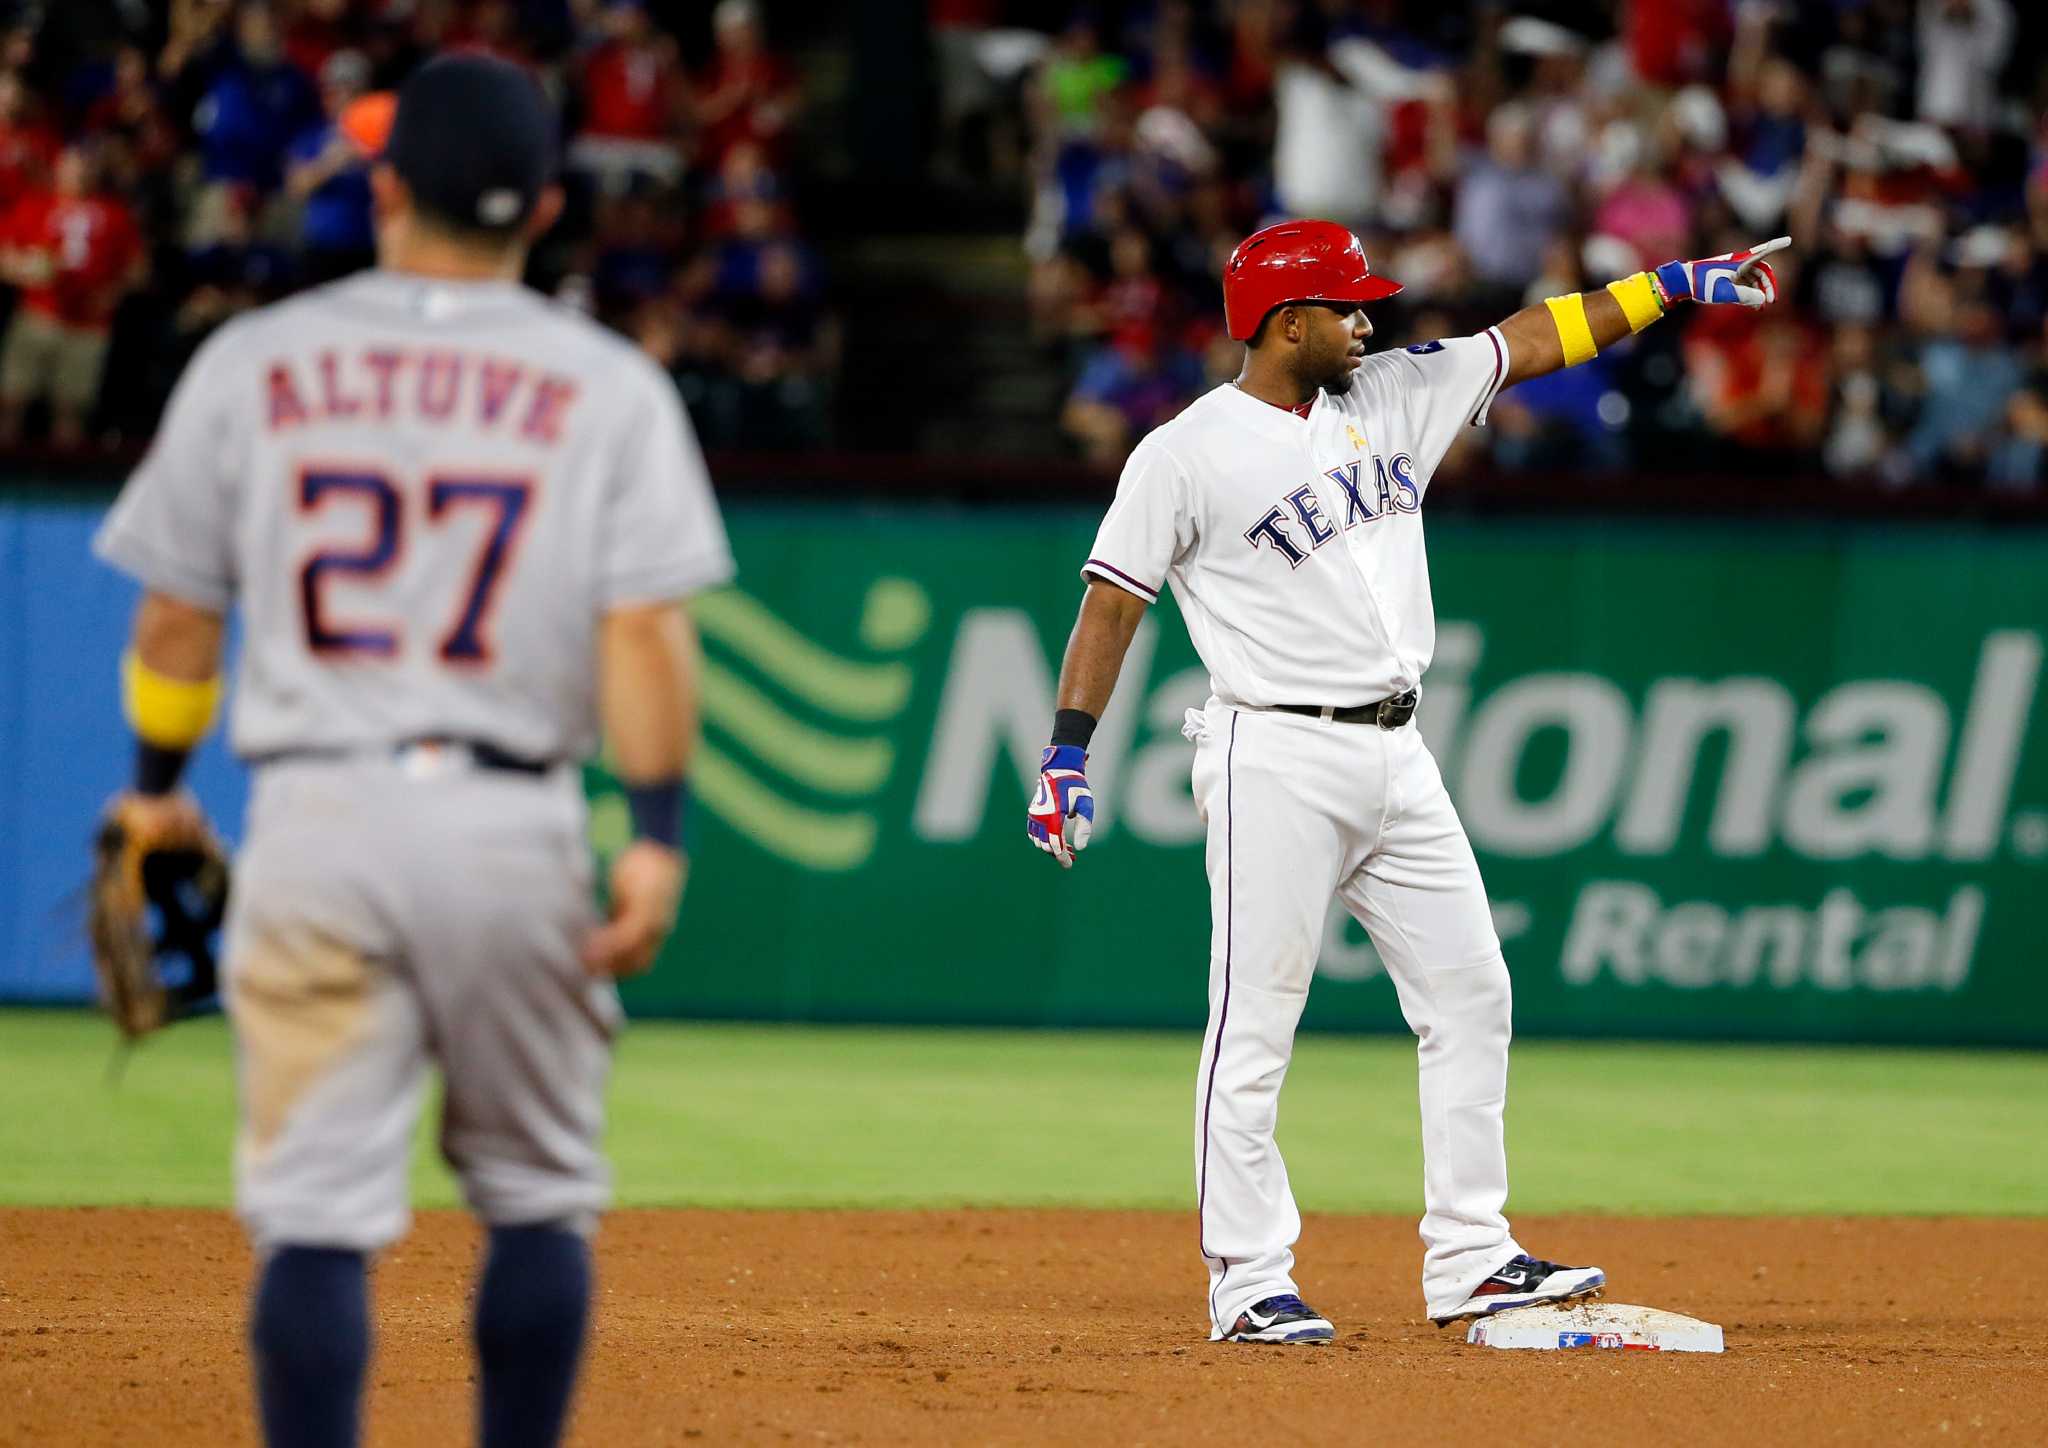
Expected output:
{"points": [[474, 140]]}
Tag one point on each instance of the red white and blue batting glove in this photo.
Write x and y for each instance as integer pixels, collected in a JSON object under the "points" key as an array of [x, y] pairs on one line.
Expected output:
{"points": [[1741, 277], [1063, 807]]}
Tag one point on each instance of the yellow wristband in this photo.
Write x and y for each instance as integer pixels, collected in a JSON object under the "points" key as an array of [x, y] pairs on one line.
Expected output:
{"points": [[1638, 298], [169, 713], [1569, 313]]}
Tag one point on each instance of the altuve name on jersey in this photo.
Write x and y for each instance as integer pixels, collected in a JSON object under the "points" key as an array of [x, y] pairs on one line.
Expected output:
{"points": [[433, 384], [1391, 489]]}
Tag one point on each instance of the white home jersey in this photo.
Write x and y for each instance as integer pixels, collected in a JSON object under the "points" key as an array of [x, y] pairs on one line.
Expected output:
{"points": [[424, 495], [1294, 545]]}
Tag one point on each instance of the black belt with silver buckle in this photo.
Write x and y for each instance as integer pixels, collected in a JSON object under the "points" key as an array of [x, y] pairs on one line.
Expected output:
{"points": [[1388, 713], [490, 756], [483, 755]]}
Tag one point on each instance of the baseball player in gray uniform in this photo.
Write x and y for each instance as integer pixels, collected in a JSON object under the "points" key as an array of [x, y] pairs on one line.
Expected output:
{"points": [[459, 522]]}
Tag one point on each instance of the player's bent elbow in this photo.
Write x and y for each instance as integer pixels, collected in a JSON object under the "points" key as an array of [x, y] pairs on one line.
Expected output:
{"points": [[178, 639], [642, 613], [1117, 605]]}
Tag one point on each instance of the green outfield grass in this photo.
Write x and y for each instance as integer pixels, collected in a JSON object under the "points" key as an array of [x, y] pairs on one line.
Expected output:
{"points": [[768, 1116]]}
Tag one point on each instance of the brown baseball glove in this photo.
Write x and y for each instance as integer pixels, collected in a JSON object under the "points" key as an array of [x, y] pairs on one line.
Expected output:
{"points": [[159, 891]]}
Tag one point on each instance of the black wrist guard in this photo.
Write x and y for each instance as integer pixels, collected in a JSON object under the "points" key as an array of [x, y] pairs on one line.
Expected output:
{"points": [[659, 811], [157, 770], [1073, 726]]}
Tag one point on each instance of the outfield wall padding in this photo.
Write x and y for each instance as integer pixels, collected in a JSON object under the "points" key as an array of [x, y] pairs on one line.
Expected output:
{"points": [[1725, 780]]}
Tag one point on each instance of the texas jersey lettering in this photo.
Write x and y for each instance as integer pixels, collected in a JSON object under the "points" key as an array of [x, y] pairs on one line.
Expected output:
{"points": [[1393, 490], [1294, 545]]}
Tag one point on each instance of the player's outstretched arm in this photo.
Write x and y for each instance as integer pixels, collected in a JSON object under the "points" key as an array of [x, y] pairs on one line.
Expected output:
{"points": [[1062, 810], [1566, 331], [647, 698]]}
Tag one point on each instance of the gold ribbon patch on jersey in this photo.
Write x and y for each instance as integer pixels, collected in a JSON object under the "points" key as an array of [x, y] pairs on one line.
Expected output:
{"points": [[1357, 441]]}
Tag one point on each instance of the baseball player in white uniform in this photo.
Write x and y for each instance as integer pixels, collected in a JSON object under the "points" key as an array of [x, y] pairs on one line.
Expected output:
{"points": [[1285, 511], [459, 523]]}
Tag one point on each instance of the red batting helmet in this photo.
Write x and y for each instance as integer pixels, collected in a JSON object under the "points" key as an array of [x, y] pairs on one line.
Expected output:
{"points": [[1296, 261]]}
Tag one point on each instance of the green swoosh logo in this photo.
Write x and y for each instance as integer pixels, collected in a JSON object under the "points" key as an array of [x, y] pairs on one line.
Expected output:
{"points": [[758, 750], [811, 757], [815, 675], [807, 837]]}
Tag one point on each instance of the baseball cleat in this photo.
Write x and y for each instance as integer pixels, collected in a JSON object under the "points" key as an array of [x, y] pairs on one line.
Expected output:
{"points": [[1280, 1319], [1522, 1281]]}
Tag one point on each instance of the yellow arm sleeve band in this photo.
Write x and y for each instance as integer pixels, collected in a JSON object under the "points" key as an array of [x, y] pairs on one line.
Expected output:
{"points": [[167, 712], [1638, 298], [1569, 313]]}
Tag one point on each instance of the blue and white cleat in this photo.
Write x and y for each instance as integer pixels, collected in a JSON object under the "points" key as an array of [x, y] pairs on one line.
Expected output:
{"points": [[1522, 1282], [1280, 1319]]}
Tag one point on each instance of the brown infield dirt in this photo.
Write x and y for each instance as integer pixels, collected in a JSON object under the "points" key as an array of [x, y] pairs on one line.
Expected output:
{"points": [[124, 1327]]}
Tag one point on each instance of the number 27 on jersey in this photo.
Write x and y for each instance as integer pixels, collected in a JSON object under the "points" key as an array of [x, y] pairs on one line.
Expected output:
{"points": [[463, 639]]}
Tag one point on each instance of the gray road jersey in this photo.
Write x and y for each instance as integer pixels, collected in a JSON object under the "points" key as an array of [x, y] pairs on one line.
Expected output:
{"points": [[423, 494]]}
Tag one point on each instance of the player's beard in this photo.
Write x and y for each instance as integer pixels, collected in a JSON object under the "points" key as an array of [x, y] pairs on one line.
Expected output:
{"points": [[1338, 380], [1335, 376]]}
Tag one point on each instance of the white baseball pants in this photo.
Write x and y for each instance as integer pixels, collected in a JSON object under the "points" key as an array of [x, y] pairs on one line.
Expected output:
{"points": [[1299, 809]]}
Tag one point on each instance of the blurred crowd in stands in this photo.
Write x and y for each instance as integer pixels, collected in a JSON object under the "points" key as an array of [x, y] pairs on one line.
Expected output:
{"points": [[164, 166], [1495, 155]]}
